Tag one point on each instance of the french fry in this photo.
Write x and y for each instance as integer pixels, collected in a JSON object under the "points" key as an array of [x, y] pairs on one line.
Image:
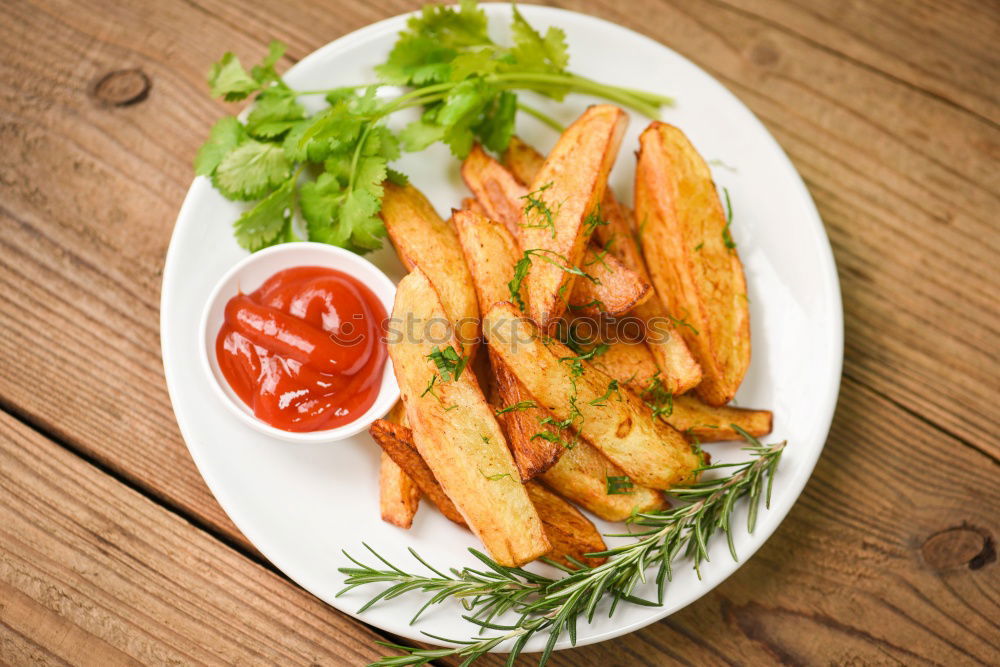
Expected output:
{"points": [[679, 372], [399, 496], [648, 450], [490, 253], [615, 289], [692, 261], [557, 218], [585, 476], [456, 433], [711, 424], [423, 239], [572, 535], [396, 442]]}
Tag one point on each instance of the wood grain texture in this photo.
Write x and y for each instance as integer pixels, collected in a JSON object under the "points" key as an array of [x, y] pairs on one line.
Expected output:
{"points": [[90, 571], [889, 111]]}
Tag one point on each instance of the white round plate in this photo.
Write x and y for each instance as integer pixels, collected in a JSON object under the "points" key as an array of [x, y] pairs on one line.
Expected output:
{"points": [[301, 504]]}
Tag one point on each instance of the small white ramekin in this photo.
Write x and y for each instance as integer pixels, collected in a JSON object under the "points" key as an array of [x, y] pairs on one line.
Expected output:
{"points": [[247, 276]]}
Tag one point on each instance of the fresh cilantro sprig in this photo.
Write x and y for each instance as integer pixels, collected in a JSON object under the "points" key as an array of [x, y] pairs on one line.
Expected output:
{"points": [[320, 176]]}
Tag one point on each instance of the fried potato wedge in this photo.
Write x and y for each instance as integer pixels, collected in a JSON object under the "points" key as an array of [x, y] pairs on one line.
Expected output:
{"points": [[572, 535], [423, 239], [616, 422], [615, 288], [557, 218], [711, 423], [396, 442], [490, 253], [536, 444], [399, 496], [630, 363], [456, 432], [679, 371], [584, 476], [692, 261]]}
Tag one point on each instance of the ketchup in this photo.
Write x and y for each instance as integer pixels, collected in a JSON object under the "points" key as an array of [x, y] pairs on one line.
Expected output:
{"points": [[306, 350]]}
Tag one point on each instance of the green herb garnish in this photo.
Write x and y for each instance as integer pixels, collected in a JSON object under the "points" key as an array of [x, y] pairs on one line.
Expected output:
{"points": [[553, 606], [450, 363], [619, 485], [327, 168]]}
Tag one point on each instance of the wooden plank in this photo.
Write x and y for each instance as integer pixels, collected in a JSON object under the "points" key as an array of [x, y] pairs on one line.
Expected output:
{"points": [[961, 66], [889, 555], [93, 572]]}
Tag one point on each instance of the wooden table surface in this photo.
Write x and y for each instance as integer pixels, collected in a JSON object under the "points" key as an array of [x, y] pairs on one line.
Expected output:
{"points": [[113, 549]]}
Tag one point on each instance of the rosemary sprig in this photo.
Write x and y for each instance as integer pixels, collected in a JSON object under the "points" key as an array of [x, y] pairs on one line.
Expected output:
{"points": [[549, 605]]}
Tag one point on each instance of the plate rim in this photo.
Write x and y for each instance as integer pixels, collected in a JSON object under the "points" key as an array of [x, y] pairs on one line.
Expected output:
{"points": [[827, 271]]}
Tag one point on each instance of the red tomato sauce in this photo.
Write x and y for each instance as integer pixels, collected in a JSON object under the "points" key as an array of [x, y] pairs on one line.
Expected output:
{"points": [[306, 350]]}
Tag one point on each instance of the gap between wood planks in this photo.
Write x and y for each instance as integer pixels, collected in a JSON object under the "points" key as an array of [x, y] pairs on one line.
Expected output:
{"points": [[251, 554]]}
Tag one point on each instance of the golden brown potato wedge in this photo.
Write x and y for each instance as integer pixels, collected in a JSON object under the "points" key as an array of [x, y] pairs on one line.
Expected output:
{"points": [[679, 371], [423, 239], [558, 217], [396, 442], [692, 261], [572, 535], [615, 289], [590, 479], [490, 253], [456, 432], [535, 443], [709, 423], [630, 363], [399, 496], [649, 451]]}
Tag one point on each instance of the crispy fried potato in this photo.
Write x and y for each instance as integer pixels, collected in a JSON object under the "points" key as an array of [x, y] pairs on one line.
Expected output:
{"points": [[710, 424], [536, 446], [399, 496], [572, 535], [472, 204], [396, 442], [423, 239], [679, 371], [456, 433], [563, 196], [491, 254], [649, 451], [616, 289], [630, 363], [582, 475], [684, 242]]}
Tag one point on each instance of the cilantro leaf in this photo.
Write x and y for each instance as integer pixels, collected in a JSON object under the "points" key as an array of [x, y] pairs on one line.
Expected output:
{"points": [[265, 72], [320, 201], [226, 134], [229, 80], [275, 112], [265, 223], [420, 134], [497, 127], [537, 53], [251, 170], [358, 213]]}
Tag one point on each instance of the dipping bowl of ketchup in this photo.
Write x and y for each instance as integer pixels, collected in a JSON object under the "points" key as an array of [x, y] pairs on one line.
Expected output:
{"points": [[293, 342]]}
